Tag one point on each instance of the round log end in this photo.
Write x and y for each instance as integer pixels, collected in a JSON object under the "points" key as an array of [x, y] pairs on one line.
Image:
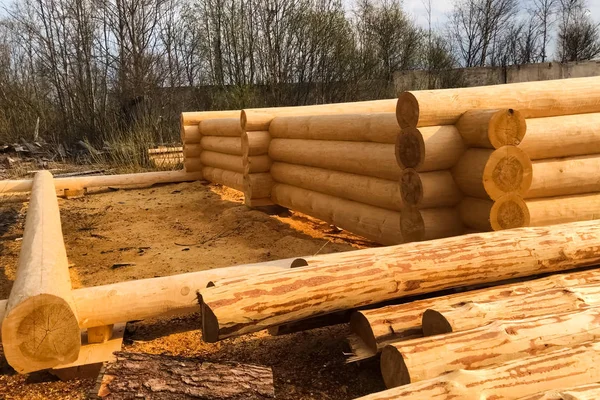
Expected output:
{"points": [[411, 187], [299, 262], [412, 225], [508, 170], [393, 368], [507, 128], [434, 323], [360, 325], [508, 212], [243, 120], [407, 110], [41, 332], [410, 148], [210, 323]]}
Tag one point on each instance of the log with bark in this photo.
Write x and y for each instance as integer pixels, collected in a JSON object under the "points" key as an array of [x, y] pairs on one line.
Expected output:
{"points": [[583, 392], [511, 380], [151, 376], [429, 149], [40, 327], [501, 341], [371, 276], [378, 127], [391, 324], [492, 129], [532, 99]]}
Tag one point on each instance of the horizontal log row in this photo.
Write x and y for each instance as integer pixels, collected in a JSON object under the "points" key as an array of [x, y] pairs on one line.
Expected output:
{"points": [[232, 179]]}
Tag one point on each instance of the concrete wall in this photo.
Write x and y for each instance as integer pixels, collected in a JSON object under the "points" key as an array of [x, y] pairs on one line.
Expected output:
{"points": [[481, 76]]}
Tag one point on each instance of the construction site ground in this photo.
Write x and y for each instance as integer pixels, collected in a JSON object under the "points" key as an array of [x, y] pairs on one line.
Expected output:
{"points": [[179, 228]]}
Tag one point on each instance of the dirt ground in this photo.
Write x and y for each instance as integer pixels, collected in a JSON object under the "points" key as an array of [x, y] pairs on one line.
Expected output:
{"points": [[180, 228]]}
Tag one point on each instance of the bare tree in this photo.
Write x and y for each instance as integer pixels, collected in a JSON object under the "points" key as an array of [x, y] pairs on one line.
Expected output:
{"points": [[544, 16], [579, 36]]}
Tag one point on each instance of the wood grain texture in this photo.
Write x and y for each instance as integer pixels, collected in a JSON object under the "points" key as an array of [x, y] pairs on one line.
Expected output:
{"points": [[584, 392], [370, 276], [558, 210], [234, 180], [429, 149], [229, 126], [565, 176], [226, 145], [492, 129]]}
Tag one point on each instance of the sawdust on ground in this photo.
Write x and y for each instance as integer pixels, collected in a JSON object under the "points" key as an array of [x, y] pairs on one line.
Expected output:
{"points": [[178, 228]]}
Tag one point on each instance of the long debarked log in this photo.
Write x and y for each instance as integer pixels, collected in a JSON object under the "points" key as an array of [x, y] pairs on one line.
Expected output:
{"points": [[565, 136], [583, 392], [559, 210], [195, 117], [258, 186], [371, 276], [485, 173], [222, 127], [259, 119], [361, 158], [150, 376], [192, 165], [565, 176], [474, 314], [382, 326], [501, 341], [492, 129], [532, 99], [226, 145], [373, 223], [429, 149], [234, 180], [428, 189], [192, 150], [508, 212], [378, 128], [430, 223], [511, 380], [255, 143], [40, 328], [77, 182], [190, 134]]}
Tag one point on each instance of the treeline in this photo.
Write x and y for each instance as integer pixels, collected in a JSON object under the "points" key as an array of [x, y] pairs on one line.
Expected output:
{"points": [[109, 70]]}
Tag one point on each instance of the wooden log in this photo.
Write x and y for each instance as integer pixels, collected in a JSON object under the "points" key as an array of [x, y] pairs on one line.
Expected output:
{"points": [[473, 314], [145, 178], [222, 161], [558, 210], [40, 328], [564, 136], [429, 149], [192, 165], [234, 180], [583, 392], [258, 186], [428, 189], [375, 275], [508, 212], [256, 143], [192, 150], [532, 99], [430, 223], [165, 149], [511, 380], [373, 223], [361, 158], [501, 341], [100, 334], [492, 129], [391, 324], [256, 164], [565, 176], [190, 134], [486, 173], [378, 127], [362, 189], [229, 127], [150, 376], [259, 119], [226, 145], [195, 117]]}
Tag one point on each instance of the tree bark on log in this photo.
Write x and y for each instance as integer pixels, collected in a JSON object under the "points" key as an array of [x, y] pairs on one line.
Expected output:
{"points": [[361, 158], [373, 223], [584, 392], [225, 145], [514, 379], [150, 376], [381, 326], [532, 99], [378, 128], [371, 276], [486, 173], [564, 136], [229, 127], [501, 341], [474, 314], [564, 177], [429, 149], [492, 129], [40, 327]]}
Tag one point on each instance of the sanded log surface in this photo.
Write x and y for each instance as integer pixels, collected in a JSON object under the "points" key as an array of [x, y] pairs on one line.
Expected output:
{"points": [[234, 180], [362, 158], [565, 136], [222, 126], [150, 376], [222, 161], [492, 129], [501, 341], [190, 134], [559, 210], [40, 328], [473, 314], [370, 276], [511, 380], [192, 165], [532, 99], [430, 223], [258, 186], [584, 392], [255, 143], [192, 150], [195, 117], [429, 149], [428, 189], [565, 176], [227, 145], [381, 326], [508, 212], [379, 127]]}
